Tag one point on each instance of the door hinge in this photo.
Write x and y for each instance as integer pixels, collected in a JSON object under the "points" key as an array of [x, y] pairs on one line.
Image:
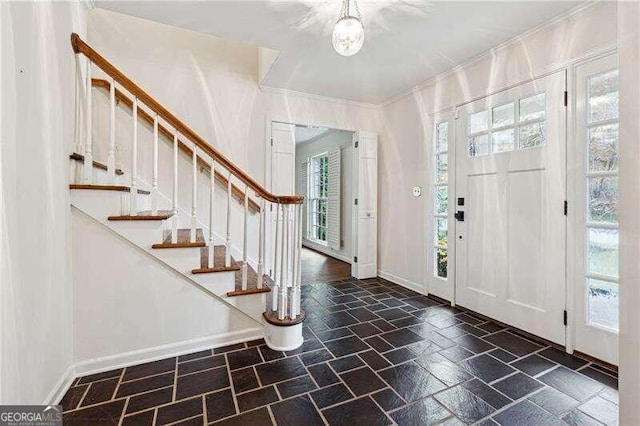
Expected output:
{"points": [[271, 141], [566, 98], [355, 259], [565, 317], [355, 201], [270, 272], [566, 207], [356, 145]]}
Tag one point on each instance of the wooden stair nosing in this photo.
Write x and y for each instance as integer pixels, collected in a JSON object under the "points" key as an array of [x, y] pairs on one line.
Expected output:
{"points": [[98, 165], [140, 217], [264, 289], [121, 188], [216, 269], [196, 244]]}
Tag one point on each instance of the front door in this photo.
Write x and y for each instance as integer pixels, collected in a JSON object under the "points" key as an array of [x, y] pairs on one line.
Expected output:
{"points": [[510, 197]]}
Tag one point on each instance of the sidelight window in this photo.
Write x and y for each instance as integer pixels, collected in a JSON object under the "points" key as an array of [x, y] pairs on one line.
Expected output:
{"points": [[440, 202]]}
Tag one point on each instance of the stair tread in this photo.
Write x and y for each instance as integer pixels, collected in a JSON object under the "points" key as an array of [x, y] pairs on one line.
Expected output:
{"points": [[121, 188], [97, 164], [184, 240], [144, 215], [219, 266]]}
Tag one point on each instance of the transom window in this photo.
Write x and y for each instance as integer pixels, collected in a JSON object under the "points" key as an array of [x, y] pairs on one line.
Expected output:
{"points": [[441, 179], [318, 198], [520, 124], [601, 186]]}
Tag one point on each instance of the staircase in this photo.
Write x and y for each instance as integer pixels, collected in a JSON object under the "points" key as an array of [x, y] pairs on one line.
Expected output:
{"points": [[182, 236]]}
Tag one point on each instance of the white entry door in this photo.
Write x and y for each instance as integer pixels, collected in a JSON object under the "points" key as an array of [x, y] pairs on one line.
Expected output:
{"points": [[365, 226], [283, 154], [510, 198]]}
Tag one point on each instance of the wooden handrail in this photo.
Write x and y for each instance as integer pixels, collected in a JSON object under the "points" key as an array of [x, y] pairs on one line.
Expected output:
{"points": [[125, 100], [79, 46]]}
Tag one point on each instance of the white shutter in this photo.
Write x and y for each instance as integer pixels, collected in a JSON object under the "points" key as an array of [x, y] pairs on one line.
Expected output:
{"points": [[303, 189], [333, 204]]}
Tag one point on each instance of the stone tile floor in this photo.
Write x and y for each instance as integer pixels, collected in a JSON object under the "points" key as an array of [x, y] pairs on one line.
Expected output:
{"points": [[374, 353]]}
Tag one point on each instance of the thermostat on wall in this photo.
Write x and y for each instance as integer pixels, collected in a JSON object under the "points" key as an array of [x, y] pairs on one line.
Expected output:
{"points": [[417, 191]]}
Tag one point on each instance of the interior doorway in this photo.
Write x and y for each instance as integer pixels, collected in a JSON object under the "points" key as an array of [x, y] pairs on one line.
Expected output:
{"points": [[335, 170]]}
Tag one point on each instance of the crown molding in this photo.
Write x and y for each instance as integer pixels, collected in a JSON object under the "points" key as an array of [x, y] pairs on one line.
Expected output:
{"points": [[576, 11]]}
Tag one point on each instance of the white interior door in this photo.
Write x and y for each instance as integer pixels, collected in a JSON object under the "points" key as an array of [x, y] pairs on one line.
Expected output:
{"points": [[510, 176], [366, 210], [595, 279], [283, 153]]}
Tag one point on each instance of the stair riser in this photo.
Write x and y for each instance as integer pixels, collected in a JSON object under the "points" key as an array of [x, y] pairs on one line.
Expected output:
{"points": [[143, 233], [98, 176], [101, 204], [219, 283], [251, 304]]}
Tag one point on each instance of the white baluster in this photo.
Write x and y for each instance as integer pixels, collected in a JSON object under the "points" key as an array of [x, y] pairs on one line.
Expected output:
{"points": [[154, 181], [275, 291], [111, 157], [245, 266], [194, 195], [212, 195], [174, 203], [227, 257], [294, 273], [133, 196], [261, 244], [282, 297], [299, 250], [88, 147]]}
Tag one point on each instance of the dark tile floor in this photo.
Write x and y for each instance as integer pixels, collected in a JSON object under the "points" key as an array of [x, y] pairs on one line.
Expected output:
{"points": [[374, 353]]}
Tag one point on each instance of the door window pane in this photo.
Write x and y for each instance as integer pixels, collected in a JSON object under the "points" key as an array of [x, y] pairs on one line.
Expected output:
{"points": [[603, 199], [533, 107], [478, 145], [603, 148], [603, 96], [603, 251], [441, 231], [532, 135], [441, 168], [441, 200], [503, 115], [503, 140], [603, 303], [478, 122], [441, 262], [442, 136]]}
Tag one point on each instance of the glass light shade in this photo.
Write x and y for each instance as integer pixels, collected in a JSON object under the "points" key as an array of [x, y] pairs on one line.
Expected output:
{"points": [[348, 36]]}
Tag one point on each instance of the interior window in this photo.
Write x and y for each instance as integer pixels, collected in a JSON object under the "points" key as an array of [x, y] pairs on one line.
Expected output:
{"points": [[318, 198]]}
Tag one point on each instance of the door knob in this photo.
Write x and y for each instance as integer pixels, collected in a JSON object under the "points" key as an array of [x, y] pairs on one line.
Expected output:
{"points": [[459, 215]]}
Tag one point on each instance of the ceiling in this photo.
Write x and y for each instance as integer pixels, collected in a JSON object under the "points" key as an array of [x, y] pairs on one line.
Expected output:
{"points": [[406, 42], [306, 133]]}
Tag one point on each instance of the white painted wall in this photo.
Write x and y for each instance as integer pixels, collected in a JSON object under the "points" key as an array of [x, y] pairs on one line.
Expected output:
{"points": [[406, 127], [335, 139], [37, 86], [629, 57], [140, 309], [212, 85]]}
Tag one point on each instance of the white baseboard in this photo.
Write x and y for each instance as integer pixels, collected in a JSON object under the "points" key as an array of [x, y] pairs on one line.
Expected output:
{"points": [[61, 387], [125, 359], [404, 283], [325, 250]]}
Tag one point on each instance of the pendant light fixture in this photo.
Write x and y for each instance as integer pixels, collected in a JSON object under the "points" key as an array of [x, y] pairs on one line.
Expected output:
{"points": [[348, 33]]}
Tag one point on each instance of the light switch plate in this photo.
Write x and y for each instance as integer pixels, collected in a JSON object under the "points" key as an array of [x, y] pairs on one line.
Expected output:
{"points": [[417, 191]]}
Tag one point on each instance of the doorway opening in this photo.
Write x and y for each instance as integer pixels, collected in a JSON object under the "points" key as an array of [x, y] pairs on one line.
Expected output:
{"points": [[324, 175]]}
